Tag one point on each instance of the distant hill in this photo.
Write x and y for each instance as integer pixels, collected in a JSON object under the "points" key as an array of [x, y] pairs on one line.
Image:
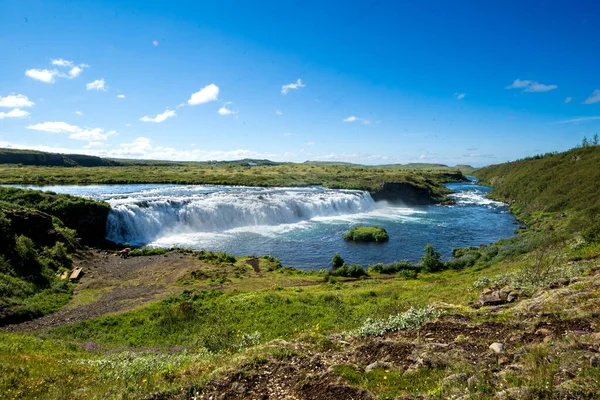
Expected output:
{"points": [[553, 182], [32, 157], [40, 158]]}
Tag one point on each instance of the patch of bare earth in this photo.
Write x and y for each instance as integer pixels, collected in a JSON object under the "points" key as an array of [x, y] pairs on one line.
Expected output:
{"points": [[115, 284]]}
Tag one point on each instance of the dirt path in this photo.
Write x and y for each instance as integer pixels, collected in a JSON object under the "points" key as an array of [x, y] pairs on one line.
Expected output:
{"points": [[112, 284]]}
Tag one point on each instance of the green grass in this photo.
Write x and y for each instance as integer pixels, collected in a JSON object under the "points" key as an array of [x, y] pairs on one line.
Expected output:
{"points": [[296, 175], [367, 234], [554, 183]]}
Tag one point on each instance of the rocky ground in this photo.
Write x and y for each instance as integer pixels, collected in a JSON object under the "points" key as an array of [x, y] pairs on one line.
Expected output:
{"points": [[113, 284], [546, 346]]}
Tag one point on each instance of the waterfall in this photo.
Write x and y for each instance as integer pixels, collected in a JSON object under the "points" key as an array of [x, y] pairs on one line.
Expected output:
{"points": [[145, 216]]}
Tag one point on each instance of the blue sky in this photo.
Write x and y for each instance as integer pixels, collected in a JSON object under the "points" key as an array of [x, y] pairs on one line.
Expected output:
{"points": [[466, 82]]}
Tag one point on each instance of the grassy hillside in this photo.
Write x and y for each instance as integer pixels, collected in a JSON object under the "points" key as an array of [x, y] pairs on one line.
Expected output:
{"points": [[32, 157], [182, 324], [549, 184], [87, 217], [34, 248]]}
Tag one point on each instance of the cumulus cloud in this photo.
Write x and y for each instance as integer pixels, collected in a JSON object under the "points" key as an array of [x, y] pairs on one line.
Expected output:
{"points": [[55, 127], [78, 113], [121, 96], [530, 86], [226, 111], [16, 101], [459, 96], [593, 98], [206, 94], [278, 112], [75, 72], [159, 117], [43, 75], [286, 88], [568, 100], [63, 63], [92, 134], [14, 113], [98, 84], [352, 118], [76, 132]]}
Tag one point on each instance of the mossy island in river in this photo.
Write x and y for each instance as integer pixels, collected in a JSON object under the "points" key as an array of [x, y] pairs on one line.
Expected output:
{"points": [[367, 234]]}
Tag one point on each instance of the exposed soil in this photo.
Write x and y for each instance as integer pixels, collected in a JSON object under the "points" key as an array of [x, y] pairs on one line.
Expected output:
{"points": [[120, 283]]}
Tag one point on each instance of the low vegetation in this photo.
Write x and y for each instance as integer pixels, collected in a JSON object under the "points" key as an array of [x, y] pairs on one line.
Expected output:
{"points": [[367, 234], [29, 285], [427, 183], [87, 217], [246, 327]]}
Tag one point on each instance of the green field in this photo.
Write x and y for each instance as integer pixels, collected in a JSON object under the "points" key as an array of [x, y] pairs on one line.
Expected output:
{"points": [[240, 327]]}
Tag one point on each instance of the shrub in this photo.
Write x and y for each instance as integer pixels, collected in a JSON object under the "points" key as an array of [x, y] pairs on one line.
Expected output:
{"points": [[432, 260], [367, 234], [402, 265], [592, 233], [350, 271], [413, 318], [407, 274], [337, 261]]}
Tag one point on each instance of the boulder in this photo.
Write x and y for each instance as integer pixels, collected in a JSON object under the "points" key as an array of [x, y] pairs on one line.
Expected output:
{"points": [[491, 298], [497, 347]]}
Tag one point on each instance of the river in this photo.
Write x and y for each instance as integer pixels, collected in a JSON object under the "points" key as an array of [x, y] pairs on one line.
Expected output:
{"points": [[303, 227]]}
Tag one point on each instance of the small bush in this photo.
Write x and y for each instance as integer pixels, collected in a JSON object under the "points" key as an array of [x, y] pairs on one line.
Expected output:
{"points": [[592, 233], [432, 260], [350, 271], [367, 234], [413, 318], [337, 261], [393, 268]]}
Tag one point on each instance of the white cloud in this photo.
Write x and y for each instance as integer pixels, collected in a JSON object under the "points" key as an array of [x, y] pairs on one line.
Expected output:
{"points": [[78, 113], [14, 113], [530, 86], [98, 84], [55, 127], [159, 117], [285, 88], [155, 43], [76, 132], [127, 124], [62, 63], [93, 144], [352, 118], [75, 71], [288, 134], [310, 143], [278, 112], [459, 96], [568, 100], [16, 101], [579, 119], [594, 97], [121, 96], [226, 111], [43, 75], [92, 134], [204, 95]]}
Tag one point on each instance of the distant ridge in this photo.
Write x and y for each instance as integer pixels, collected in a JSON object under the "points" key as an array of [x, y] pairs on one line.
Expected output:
{"points": [[41, 158], [32, 157]]}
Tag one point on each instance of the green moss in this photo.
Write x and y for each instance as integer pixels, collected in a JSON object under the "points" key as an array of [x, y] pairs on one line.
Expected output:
{"points": [[367, 234]]}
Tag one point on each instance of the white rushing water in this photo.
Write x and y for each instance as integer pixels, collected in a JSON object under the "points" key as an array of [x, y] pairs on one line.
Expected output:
{"points": [[303, 227], [144, 216]]}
